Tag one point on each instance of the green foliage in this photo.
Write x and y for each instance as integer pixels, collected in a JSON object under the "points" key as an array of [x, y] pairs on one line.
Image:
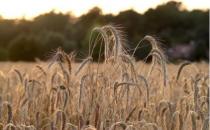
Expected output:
{"points": [[3, 54], [46, 32], [24, 47], [51, 21], [52, 40]]}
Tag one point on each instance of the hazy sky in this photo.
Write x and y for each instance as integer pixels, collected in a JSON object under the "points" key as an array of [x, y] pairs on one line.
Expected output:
{"points": [[30, 8]]}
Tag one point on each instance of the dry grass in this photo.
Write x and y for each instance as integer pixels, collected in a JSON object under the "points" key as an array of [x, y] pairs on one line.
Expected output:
{"points": [[118, 94]]}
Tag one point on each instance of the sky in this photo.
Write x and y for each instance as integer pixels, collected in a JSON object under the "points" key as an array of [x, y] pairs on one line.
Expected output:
{"points": [[28, 9]]}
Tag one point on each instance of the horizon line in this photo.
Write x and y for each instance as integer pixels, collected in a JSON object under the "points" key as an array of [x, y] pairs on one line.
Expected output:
{"points": [[103, 10]]}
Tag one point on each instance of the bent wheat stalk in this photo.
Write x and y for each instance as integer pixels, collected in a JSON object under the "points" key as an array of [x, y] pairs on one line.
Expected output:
{"points": [[86, 61], [181, 68]]}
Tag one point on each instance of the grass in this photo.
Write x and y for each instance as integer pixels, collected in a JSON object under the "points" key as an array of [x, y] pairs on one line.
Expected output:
{"points": [[116, 94]]}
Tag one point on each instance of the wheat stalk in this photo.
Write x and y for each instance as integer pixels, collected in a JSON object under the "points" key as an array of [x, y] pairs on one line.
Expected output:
{"points": [[87, 60], [181, 68]]}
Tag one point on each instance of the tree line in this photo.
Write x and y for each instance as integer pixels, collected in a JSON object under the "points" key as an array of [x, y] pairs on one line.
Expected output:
{"points": [[38, 38]]}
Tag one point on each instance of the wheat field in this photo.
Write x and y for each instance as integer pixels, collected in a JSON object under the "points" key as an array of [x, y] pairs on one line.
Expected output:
{"points": [[116, 94]]}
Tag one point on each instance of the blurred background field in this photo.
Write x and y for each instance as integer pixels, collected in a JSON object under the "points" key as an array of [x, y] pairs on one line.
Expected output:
{"points": [[26, 67]]}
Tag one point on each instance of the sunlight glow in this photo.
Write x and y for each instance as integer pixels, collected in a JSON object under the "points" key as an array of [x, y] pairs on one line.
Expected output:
{"points": [[30, 8]]}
